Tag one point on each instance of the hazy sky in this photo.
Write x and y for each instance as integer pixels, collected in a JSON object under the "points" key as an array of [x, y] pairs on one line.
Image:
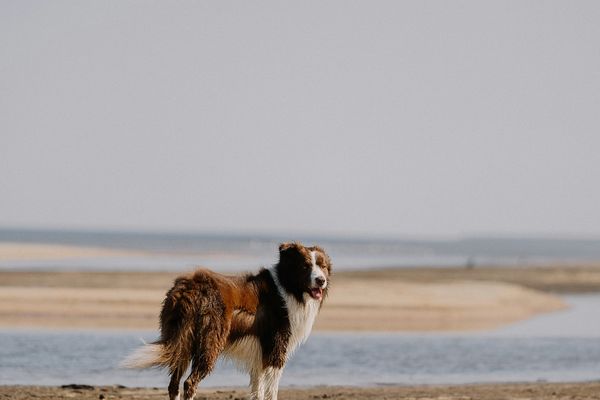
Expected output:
{"points": [[417, 118]]}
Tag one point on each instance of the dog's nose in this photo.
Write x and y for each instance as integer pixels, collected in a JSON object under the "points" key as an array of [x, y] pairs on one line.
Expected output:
{"points": [[319, 281]]}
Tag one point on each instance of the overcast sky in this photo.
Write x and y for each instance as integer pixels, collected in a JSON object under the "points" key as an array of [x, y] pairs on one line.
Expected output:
{"points": [[411, 119]]}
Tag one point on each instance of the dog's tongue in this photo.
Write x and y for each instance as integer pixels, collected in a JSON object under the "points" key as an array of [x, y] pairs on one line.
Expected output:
{"points": [[316, 293]]}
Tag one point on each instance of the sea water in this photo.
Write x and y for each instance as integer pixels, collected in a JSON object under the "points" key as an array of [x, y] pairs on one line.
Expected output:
{"points": [[562, 346], [182, 251]]}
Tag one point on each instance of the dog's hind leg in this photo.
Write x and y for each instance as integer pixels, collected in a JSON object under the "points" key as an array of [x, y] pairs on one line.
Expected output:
{"points": [[201, 367], [210, 344], [176, 375]]}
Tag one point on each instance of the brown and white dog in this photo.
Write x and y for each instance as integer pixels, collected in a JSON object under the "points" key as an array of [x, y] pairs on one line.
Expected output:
{"points": [[256, 320]]}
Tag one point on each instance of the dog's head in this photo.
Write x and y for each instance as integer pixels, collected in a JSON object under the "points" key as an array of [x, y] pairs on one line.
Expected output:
{"points": [[304, 270]]}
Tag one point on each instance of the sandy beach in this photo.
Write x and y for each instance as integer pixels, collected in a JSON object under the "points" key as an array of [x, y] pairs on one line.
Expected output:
{"points": [[539, 391]]}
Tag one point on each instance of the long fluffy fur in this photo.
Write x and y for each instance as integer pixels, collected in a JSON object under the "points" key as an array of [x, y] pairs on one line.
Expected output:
{"points": [[256, 319]]}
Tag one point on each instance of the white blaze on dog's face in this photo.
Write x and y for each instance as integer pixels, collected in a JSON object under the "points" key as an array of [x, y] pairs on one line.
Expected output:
{"points": [[318, 280], [304, 270]]}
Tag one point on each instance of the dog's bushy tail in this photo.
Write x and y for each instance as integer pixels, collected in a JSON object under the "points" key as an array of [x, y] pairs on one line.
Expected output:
{"points": [[173, 354], [174, 349], [149, 355]]}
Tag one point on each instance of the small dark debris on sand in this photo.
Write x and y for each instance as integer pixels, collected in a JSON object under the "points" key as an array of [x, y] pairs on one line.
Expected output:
{"points": [[78, 386]]}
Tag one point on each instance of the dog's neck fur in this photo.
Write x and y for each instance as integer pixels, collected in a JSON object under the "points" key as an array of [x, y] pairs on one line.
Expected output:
{"points": [[301, 314]]}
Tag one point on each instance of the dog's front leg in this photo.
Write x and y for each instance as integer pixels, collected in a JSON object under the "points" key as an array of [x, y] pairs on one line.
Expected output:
{"points": [[257, 382], [272, 377]]}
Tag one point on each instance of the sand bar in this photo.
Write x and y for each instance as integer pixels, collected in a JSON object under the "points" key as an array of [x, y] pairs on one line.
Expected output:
{"points": [[16, 251], [374, 301]]}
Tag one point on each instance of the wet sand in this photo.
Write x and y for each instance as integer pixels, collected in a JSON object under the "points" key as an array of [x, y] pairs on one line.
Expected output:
{"points": [[557, 278], [385, 300], [539, 391]]}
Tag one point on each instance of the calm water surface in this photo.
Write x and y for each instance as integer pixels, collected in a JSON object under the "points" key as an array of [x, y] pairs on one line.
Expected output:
{"points": [[555, 347]]}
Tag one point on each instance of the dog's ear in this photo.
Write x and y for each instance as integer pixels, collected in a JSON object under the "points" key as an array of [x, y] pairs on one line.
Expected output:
{"points": [[290, 248], [285, 246]]}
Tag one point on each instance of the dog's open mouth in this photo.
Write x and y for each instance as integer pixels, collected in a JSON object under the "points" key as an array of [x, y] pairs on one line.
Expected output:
{"points": [[316, 293]]}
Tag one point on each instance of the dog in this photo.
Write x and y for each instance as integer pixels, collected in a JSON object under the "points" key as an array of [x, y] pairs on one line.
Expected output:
{"points": [[257, 320]]}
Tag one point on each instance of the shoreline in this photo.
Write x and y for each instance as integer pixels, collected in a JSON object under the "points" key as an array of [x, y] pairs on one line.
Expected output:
{"points": [[484, 391]]}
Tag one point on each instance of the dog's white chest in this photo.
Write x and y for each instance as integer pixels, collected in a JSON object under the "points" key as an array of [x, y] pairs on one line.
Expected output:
{"points": [[302, 317]]}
